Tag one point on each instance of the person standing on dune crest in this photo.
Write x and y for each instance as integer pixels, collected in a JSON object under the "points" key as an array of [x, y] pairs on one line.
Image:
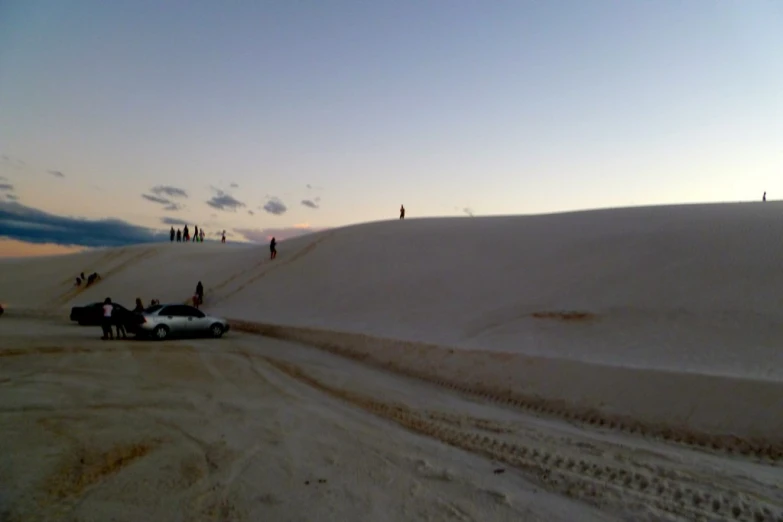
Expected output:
{"points": [[272, 249], [402, 212]]}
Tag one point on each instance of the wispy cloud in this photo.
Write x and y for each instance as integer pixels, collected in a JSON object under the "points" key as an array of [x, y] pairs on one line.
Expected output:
{"points": [[234, 185], [25, 223], [9, 161], [223, 201], [170, 205], [275, 206], [12, 197], [172, 192], [173, 221], [251, 212], [6, 186], [56, 173], [262, 235], [309, 203], [156, 199]]}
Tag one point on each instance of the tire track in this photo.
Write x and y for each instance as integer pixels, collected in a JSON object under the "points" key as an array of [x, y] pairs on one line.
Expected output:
{"points": [[71, 293], [663, 490], [273, 265], [756, 449]]}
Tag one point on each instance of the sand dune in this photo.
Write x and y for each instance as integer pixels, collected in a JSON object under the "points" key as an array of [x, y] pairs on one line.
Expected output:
{"points": [[661, 322]]}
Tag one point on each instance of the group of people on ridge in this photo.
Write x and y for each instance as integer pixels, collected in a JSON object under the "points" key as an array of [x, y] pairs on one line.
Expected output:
{"points": [[184, 235]]}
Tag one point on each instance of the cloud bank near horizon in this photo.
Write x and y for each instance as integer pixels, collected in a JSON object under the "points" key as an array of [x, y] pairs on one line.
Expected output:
{"points": [[23, 223]]}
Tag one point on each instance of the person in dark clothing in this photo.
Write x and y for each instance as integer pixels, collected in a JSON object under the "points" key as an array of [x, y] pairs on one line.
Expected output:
{"points": [[223, 239], [82, 276], [185, 234], [764, 198], [199, 293], [118, 318], [402, 212], [139, 308], [273, 249], [78, 281], [195, 234], [172, 234], [106, 319], [179, 235]]}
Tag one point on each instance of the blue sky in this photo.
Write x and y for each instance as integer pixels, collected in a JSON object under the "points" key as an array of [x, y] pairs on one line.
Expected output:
{"points": [[507, 107]]}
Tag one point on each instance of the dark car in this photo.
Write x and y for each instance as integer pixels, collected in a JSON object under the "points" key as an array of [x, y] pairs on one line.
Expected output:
{"points": [[92, 315]]}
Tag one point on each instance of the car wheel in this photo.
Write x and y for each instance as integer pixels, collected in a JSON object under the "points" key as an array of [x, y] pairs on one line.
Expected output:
{"points": [[216, 330], [160, 332]]}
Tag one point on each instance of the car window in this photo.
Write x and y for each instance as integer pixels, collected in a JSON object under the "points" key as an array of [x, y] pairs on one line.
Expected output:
{"points": [[152, 309], [192, 312], [177, 311], [170, 310]]}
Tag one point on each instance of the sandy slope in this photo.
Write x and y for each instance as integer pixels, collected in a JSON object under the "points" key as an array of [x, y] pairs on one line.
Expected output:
{"points": [[662, 322], [694, 288]]}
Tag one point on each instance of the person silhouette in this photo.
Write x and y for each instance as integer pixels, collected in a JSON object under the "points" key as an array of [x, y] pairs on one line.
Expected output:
{"points": [[172, 234], [764, 197], [272, 249], [402, 212]]}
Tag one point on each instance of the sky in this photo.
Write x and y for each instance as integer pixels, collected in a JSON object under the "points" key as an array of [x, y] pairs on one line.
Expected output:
{"points": [[120, 119]]}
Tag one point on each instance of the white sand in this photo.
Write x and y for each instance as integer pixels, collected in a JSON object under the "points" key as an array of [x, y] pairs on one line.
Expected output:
{"points": [[675, 363]]}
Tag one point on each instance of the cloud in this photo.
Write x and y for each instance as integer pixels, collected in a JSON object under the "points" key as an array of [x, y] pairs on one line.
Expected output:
{"points": [[170, 205], [24, 223], [234, 185], [309, 203], [264, 235], [12, 197], [6, 186], [468, 211], [172, 192], [173, 221], [251, 212], [156, 199], [56, 173], [7, 160], [275, 206], [223, 201]]}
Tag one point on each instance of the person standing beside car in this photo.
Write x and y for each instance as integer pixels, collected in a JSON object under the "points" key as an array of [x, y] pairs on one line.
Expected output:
{"points": [[106, 319]]}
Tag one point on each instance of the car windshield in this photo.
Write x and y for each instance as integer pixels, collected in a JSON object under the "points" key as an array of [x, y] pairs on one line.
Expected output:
{"points": [[152, 309]]}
